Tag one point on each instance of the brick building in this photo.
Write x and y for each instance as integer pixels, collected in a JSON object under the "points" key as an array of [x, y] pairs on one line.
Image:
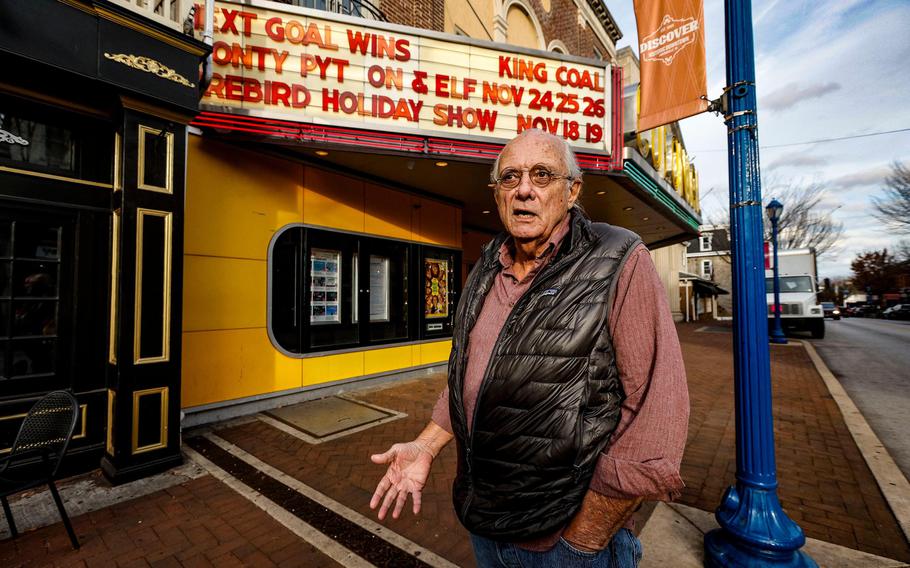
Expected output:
{"points": [[573, 27]]}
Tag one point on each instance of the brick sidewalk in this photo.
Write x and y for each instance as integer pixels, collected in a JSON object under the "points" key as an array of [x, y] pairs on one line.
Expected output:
{"points": [[825, 484], [199, 523], [342, 469]]}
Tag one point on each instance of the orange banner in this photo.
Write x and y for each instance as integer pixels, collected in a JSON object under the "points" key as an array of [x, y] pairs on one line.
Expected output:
{"points": [[671, 46]]}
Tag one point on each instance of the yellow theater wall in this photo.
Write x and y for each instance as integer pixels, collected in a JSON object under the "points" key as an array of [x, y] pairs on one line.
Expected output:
{"points": [[236, 201]]}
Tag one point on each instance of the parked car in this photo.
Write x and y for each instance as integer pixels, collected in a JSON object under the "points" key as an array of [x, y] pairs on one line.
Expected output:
{"points": [[866, 311], [831, 310], [897, 312]]}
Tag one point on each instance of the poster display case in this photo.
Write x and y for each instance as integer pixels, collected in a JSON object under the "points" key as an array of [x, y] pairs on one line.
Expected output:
{"points": [[325, 286], [440, 271], [331, 290]]}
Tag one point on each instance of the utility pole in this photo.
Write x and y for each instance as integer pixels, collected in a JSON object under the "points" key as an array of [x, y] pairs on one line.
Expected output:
{"points": [[754, 531]]}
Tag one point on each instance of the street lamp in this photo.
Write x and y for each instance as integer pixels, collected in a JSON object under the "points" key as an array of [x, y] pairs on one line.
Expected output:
{"points": [[774, 208]]}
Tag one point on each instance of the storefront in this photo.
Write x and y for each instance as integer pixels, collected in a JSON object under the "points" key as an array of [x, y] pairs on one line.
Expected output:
{"points": [[94, 102], [311, 227], [337, 194]]}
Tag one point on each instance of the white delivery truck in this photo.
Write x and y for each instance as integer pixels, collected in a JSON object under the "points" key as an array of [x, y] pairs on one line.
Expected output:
{"points": [[799, 307]]}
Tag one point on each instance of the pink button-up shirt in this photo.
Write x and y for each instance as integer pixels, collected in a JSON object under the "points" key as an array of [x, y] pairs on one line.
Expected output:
{"points": [[646, 448]]}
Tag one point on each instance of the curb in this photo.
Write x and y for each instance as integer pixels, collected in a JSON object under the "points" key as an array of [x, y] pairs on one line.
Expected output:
{"points": [[891, 481]]}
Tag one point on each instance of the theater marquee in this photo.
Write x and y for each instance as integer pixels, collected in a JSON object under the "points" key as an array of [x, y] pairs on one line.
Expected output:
{"points": [[308, 66]]}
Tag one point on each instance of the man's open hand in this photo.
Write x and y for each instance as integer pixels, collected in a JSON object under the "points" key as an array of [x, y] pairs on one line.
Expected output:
{"points": [[409, 466]]}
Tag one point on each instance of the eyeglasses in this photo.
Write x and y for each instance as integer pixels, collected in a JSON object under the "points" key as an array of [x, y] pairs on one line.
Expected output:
{"points": [[540, 177]]}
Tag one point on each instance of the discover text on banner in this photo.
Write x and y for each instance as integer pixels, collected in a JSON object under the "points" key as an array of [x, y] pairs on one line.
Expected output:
{"points": [[671, 42]]}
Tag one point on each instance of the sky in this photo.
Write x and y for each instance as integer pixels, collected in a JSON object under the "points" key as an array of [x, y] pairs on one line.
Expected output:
{"points": [[823, 70]]}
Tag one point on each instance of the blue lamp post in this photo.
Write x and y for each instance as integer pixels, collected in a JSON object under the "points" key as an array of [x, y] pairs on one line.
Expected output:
{"points": [[774, 208], [754, 530]]}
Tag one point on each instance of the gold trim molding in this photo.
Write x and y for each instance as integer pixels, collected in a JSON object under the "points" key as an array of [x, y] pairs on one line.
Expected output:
{"points": [[141, 214], [113, 326], [169, 161], [162, 434], [152, 33], [109, 434], [148, 108], [149, 65], [57, 178], [83, 432]]}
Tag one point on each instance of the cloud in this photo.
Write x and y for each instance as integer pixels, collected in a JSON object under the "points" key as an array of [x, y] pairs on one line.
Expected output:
{"points": [[872, 176], [792, 94], [796, 160]]}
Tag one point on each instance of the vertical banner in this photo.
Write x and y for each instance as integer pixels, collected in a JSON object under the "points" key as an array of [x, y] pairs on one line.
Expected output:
{"points": [[671, 44]]}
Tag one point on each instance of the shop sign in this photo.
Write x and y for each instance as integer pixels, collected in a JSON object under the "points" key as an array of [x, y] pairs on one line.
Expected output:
{"points": [[313, 66]]}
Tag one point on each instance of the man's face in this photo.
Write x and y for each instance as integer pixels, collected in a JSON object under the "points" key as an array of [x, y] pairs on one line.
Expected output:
{"points": [[528, 212]]}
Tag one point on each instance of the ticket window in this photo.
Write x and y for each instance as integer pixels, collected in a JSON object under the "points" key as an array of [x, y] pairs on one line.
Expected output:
{"points": [[333, 291]]}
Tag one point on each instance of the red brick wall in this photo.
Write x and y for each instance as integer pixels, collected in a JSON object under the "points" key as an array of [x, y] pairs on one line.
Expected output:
{"points": [[427, 14], [562, 23]]}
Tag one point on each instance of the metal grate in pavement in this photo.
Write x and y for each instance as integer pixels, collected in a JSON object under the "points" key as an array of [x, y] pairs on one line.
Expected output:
{"points": [[329, 417]]}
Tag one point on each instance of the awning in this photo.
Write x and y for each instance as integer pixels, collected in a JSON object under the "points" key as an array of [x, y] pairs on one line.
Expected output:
{"points": [[701, 286]]}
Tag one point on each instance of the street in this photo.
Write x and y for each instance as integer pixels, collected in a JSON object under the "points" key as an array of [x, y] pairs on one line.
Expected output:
{"points": [[870, 358]]}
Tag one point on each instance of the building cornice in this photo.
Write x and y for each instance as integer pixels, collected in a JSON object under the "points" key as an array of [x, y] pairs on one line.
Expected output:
{"points": [[600, 10]]}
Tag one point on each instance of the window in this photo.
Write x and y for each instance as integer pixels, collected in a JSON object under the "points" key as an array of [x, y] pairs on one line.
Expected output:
{"points": [[29, 298], [704, 243], [349, 7], [598, 54], [39, 138], [707, 268], [521, 28], [331, 290], [791, 284]]}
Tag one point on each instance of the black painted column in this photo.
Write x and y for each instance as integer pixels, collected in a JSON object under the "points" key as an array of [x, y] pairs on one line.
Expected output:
{"points": [[144, 358]]}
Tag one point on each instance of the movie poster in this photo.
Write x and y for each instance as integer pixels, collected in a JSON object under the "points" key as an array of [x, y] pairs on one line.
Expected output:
{"points": [[325, 286], [436, 288]]}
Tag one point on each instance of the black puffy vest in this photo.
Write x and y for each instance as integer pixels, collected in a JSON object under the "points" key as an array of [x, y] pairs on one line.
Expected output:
{"points": [[551, 395]]}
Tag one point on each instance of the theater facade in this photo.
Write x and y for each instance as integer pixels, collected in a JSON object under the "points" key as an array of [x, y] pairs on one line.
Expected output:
{"points": [[176, 250], [338, 194]]}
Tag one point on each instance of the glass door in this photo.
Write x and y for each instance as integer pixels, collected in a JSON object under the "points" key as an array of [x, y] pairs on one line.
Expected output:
{"points": [[330, 288], [383, 299], [35, 301]]}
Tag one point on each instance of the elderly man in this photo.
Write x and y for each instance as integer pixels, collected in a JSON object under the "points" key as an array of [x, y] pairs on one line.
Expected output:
{"points": [[566, 394]]}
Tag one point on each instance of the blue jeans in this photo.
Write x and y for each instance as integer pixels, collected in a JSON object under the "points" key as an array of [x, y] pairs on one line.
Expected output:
{"points": [[623, 551]]}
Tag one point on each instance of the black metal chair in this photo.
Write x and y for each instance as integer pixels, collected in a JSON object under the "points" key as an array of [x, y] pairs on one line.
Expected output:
{"points": [[38, 451]]}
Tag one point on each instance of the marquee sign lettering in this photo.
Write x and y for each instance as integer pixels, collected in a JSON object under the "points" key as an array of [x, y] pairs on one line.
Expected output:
{"points": [[312, 66]]}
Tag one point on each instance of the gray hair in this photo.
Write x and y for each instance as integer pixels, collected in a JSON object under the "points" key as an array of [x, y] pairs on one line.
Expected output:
{"points": [[568, 155]]}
